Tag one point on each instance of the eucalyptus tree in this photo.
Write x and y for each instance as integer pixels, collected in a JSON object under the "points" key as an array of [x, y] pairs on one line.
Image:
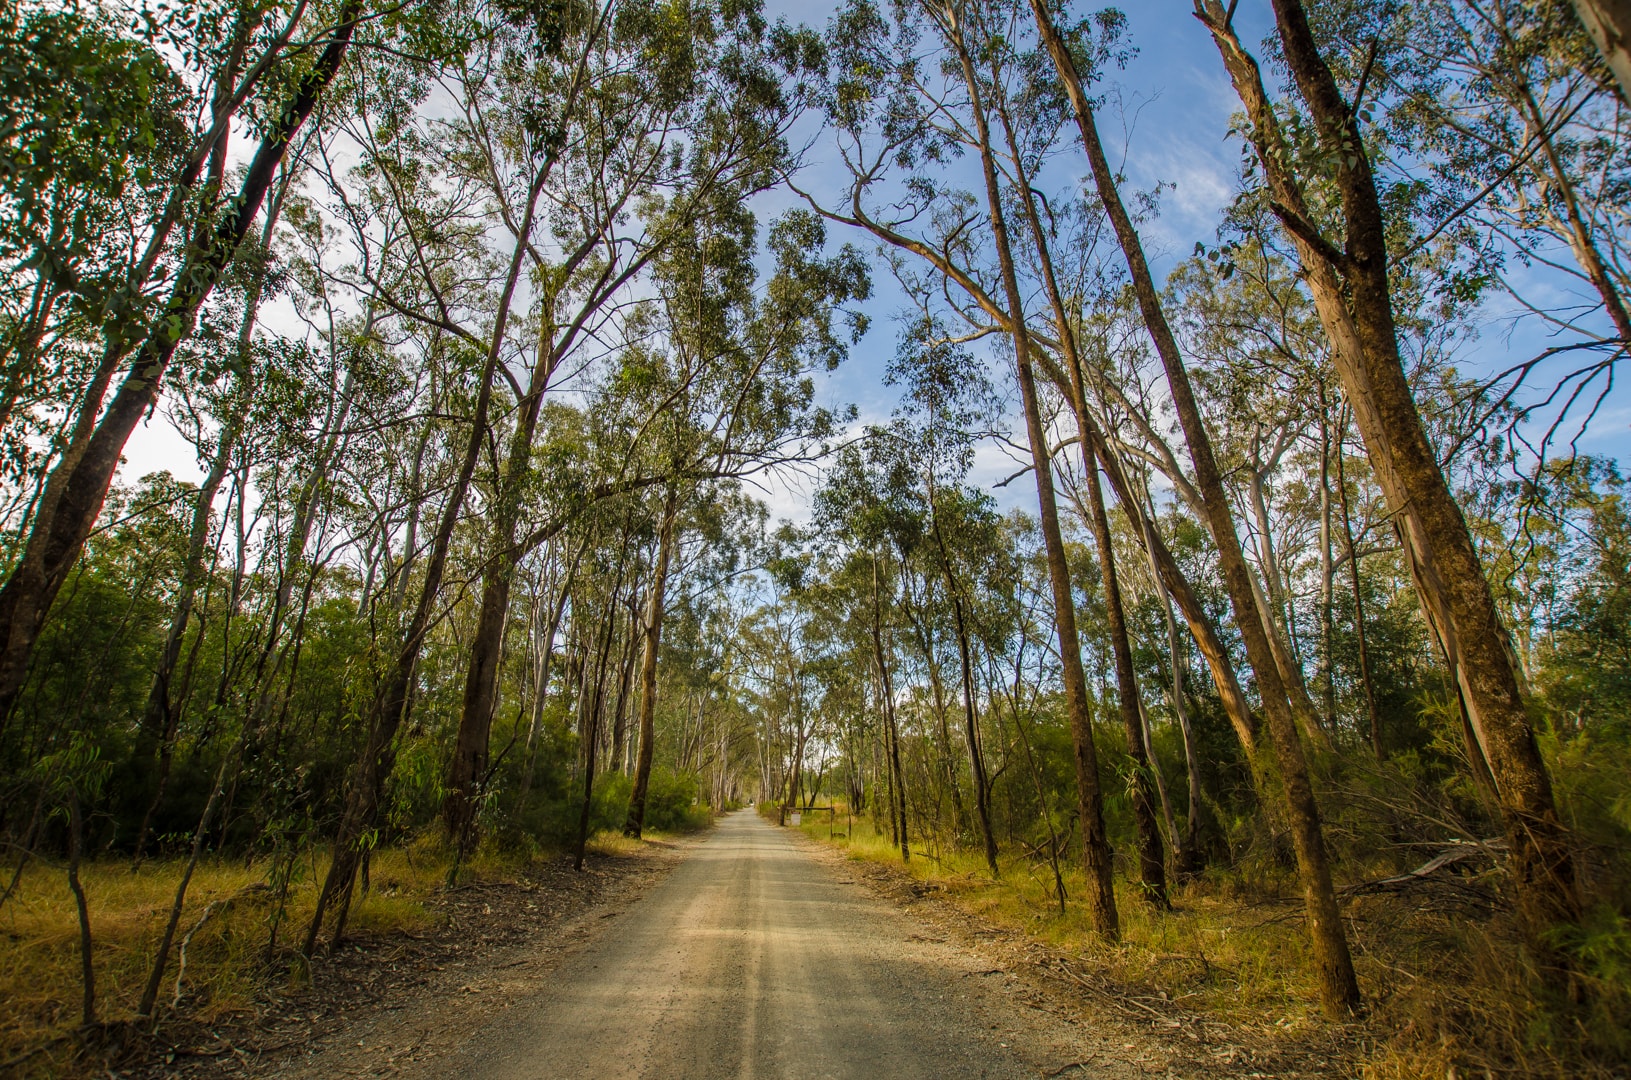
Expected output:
{"points": [[852, 511], [936, 109], [641, 154], [1261, 369], [1339, 989], [96, 121], [723, 389], [145, 333], [1609, 23], [1352, 293], [947, 401], [1507, 109]]}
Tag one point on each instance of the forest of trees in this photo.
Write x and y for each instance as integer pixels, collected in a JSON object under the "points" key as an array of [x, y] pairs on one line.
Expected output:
{"points": [[493, 326]]}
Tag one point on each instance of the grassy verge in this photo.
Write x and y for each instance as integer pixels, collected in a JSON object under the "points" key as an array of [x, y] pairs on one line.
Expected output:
{"points": [[231, 913], [1446, 990]]}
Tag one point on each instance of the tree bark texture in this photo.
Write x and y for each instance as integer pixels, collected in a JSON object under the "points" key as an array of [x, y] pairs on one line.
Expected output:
{"points": [[1352, 297], [1339, 989]]}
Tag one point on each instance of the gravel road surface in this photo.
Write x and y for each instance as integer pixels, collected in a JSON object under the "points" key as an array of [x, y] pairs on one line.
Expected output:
{"points": [[753, 959]]}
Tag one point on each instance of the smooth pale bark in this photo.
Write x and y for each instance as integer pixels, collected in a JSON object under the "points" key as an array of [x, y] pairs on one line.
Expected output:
{"points": [[74, 493], [1352, 297], [1609, 24], [1339, 989], [1096, 855], [648, 668]]}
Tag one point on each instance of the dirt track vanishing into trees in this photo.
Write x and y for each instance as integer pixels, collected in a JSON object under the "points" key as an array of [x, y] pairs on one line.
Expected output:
{"points": [[753, 952], [753, 959]]}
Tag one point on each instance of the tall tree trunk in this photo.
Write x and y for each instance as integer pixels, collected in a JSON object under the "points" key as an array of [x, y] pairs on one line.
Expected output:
{"points": [[971, 726], [648, 667], [467, 770], [392, 700], [1152, 865], [1152, 870], [591, 705], [1609, 24], [886, 696], [1101, 896], [1328, 685], [1096, 452], [1352, 297], [1339, 989], [74, 493]]}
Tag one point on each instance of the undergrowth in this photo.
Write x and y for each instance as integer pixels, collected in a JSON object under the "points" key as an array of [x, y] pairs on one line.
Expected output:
{"points": [[238, 937], [1449, 992]]}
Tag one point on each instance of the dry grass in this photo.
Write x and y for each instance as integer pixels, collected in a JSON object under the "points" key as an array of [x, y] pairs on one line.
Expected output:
{"points": [[1444, 982], [226, 958], [231, 911]]}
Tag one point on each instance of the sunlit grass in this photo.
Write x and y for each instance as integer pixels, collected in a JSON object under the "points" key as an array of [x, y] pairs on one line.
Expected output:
{"points": [[230, 952], [1198, 955], [1442, 991]]}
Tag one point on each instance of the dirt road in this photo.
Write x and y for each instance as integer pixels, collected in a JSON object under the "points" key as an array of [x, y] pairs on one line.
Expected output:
{"points": [[755, 959]]}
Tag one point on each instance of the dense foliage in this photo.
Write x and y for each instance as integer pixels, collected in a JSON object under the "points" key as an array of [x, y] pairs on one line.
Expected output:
{"points": [[490, 347]]}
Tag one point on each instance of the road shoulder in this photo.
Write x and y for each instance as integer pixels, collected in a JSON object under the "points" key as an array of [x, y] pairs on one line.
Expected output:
{"points": [[386, 1001], [1056, 998]]}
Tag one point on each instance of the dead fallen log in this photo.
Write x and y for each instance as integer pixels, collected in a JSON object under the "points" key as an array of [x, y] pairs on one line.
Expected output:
{"points": [[1455, 854]]}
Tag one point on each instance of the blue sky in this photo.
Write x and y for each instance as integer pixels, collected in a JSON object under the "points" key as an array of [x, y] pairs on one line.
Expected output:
{"points": [[1169, 113]]}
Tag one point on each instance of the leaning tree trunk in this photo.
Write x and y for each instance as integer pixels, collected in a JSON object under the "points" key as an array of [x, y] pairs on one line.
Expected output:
{"points": [[1353, 299], [1339, 989], [1096, 855], [392, 700], [1152, 865], [1609, 24], [648, 669], [1152, 870], [74, 493]]}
